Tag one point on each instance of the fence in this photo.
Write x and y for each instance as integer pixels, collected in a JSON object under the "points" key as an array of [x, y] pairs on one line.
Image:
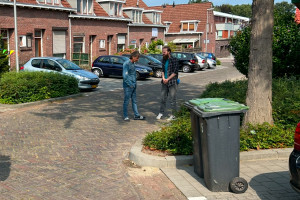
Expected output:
{"points": [[189, 50], [81, 59]]}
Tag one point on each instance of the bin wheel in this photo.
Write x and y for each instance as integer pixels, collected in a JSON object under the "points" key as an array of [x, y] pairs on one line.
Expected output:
{"points": [[238, 185]]}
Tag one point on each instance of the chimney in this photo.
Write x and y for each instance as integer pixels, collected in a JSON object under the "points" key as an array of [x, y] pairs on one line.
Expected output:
{"points": [[137, 3], [173, 4]]}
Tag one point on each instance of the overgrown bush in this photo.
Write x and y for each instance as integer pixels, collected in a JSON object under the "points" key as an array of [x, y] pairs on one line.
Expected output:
{"points": [[4, 67], [286, 114], [33, 86]]}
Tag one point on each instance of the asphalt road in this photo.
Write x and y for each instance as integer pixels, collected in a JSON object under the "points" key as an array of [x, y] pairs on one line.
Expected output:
{"points": [[77, 148]]}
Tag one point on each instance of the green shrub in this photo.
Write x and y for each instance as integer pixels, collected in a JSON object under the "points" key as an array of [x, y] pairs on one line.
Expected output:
{"points": [[177, 137], [265, 136], [33, 86], [218, 62]]}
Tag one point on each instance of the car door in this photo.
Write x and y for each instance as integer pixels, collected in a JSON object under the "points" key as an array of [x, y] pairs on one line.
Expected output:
{"points": [[51, 66], [144, 61], [35, 65], [117, 65], [104, 64]]}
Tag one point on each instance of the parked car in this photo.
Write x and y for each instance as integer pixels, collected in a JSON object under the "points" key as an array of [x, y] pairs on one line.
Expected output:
{"points": [[294, 161], [86, 79], [156, 56], [202, 62], [151, 62], [208, 55], [113, 66], [187, 61], [211, 63]]}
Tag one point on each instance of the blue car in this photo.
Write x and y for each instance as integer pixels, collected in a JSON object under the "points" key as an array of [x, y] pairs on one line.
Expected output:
{"points": [[86, 79], [113, 66], [208, 55]]}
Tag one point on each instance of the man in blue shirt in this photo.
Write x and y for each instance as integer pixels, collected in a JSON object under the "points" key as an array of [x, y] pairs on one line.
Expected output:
{"points": [[169, 82], [129, 86]]}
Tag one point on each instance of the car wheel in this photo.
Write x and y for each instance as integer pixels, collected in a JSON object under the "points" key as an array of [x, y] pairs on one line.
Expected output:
{"points": [[238, 185], [208, 66], [186, 68], [158, 73], [138, 76], [98, 72]]}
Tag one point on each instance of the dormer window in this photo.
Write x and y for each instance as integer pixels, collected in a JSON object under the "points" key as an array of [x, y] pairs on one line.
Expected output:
{"points": [[85, 7], [49, 2], [189, 26], [168, 24], [115, 9], [154, 16], [134, 13]]}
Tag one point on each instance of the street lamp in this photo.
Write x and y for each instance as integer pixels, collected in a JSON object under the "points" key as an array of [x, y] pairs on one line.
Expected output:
{"points": [[207, 26]]}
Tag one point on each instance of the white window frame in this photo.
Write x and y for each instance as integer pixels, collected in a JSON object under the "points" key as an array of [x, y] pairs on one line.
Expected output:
{"points": [[115, 9], [49, 2], [83, 42], [25, 41], [188, 30], [88, 9]]}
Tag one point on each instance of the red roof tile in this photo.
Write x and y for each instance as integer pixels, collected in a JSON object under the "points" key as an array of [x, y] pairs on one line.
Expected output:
{"points": [[181, 12], [133, 3], [99, 11], [64, 3]]}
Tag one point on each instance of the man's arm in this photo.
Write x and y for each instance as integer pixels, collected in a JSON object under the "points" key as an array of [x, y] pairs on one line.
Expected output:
{"points": [[125, 75]]}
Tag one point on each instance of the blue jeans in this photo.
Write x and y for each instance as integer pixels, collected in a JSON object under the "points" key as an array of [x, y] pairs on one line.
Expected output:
{"points": [[130, 93]]}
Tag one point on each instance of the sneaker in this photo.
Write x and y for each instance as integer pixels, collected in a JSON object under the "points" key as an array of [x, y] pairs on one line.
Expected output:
{"points": [[159, 116], [172, 117], [126, 119], [139, 117]]}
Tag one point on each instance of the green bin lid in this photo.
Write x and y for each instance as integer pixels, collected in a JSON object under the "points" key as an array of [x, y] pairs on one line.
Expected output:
{"points": [[198, 102]]}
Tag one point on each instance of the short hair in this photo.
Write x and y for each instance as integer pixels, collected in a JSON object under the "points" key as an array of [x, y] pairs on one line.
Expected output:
{"points": [[168, 48], [134, 54]]}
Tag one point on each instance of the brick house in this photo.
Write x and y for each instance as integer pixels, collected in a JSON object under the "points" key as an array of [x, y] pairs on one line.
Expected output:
{"points": [[186, 25], [226, 26], [63, 27]]}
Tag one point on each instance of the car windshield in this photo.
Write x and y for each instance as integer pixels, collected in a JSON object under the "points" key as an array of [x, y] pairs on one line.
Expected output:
{"points": [[68, 65], [154, 59]]}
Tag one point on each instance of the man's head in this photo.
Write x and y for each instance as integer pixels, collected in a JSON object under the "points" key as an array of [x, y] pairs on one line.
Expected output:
{"points": [[166, 51], [134, 56]]}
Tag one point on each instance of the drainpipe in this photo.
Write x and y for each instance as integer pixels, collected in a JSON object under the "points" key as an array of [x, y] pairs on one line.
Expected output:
{"points": [[16, 36], [128, 37], [70, 35]]}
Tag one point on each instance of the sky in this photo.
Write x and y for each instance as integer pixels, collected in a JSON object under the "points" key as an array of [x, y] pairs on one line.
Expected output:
{"points": [[215, 2]]}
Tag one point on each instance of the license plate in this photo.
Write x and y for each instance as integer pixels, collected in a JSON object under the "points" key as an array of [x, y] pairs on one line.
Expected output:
{"points": [[151, 73], [94, 86]]}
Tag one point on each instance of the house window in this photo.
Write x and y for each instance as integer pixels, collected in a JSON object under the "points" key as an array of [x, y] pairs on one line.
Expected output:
{"points": [[101, 44], [78, 44], [49, 2], [25, 41], [137, 16], [121, 43], [189, 26], [85, 7], [220, 34], [59, 44], [4, 39], [115, 9]]}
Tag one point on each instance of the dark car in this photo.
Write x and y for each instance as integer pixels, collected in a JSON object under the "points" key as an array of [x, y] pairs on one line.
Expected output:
{"points": [[113, 66], [156, 56], [151, 62], [187, 61], [294, 161], [208, 55]]}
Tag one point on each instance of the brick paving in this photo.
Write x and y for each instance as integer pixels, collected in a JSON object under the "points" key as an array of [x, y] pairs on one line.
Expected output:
{"points": [[74, 149]]}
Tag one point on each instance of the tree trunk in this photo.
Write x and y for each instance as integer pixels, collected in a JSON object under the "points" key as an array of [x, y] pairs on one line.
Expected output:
{"points": [[259, 93]]}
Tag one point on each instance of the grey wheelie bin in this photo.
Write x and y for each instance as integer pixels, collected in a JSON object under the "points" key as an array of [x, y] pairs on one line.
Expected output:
{"points": [[197, 152], [218, 132]]}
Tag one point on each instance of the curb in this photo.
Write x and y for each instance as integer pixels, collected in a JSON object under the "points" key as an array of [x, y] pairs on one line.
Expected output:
{"points": [[145, 160]]}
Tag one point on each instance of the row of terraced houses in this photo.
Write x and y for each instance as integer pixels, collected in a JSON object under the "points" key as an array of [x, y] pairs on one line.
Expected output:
{"points": [[104, 27]]}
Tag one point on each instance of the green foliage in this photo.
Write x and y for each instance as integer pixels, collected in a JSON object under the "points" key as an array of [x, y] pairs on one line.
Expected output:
{"points": [[286, 114], [175, 138], [244, 10], [4, 67], [172, 46], [153, 47], [197, 1], [125, 51], [265, 136], [286, 40], [34, 86], [218, 62]]}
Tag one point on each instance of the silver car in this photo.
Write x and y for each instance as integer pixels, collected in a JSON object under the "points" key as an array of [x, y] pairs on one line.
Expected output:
{"points": [[202, 62], [211, 63], [86, 79]]}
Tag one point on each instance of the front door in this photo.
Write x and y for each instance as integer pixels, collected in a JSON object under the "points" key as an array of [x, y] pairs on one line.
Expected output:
{"points": [[38, 43]]}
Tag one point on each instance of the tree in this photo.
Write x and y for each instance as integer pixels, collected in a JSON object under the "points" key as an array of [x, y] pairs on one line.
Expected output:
{"points": [[240, 10], [286, 40], [259, 93]]}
